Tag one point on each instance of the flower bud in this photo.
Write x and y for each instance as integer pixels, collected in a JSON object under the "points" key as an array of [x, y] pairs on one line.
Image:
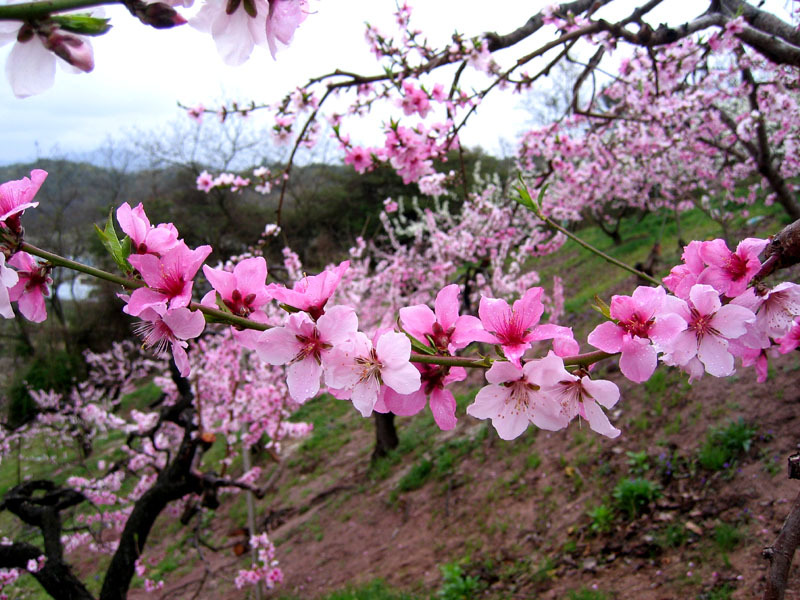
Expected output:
{"points": [[71, 49], [158, 14]]}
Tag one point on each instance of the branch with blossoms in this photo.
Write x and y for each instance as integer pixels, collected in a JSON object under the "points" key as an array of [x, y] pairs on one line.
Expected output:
{"points": [[730, 29]]}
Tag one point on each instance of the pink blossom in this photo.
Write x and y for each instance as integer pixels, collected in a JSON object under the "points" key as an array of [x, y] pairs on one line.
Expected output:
{"points": [[514, 328], [284, 18], [791, 340], [709, 327], [730, 272], [360, 158], [196, 114], [435, 380], [205, 182], [30, 291], [235, 33], [311, 293], [414, 100], [682, 277], [775, 310], [357, 367], [640, 319], [445, 330], [244, 290], [146, 239], [31, 64], [577, 396], [169, 278], [306, 346], [160, 327], [16, 196], [513, 401], [8, 279], [390, 205]]}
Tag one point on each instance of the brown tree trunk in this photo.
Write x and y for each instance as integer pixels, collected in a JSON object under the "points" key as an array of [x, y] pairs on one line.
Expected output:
{"points": [[385, 435]]}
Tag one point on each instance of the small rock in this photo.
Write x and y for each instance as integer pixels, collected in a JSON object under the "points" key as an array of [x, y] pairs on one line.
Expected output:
{"points": [[694, 528]]}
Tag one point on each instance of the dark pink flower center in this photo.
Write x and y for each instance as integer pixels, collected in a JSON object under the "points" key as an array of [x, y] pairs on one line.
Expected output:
{"points": [[701, 324], [312, 346], [369, 366], [736, 267], [441, 336], [638, 325], [240, 305]]}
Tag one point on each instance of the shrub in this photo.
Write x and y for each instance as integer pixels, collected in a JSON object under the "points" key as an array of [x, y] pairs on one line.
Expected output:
{"points": [[602, 517], [456, 585], [633, 496], [724, 444]]}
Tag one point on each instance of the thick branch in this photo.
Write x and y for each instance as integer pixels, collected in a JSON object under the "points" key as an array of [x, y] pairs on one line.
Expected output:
{"points": [[55, 576], [781, 552]]}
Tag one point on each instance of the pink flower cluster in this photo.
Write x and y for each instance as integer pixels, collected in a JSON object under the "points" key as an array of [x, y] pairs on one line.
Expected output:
{"points": [[712, 317]]}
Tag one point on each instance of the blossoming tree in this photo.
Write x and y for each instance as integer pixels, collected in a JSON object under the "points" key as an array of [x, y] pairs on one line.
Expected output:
{"points": [[364, 329]]}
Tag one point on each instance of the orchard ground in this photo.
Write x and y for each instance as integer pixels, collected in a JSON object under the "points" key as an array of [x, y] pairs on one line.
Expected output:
{"points": [[544, 516]]}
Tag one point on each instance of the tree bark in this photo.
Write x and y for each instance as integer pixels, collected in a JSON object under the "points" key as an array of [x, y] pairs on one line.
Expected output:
{"points": [[385, 435]]}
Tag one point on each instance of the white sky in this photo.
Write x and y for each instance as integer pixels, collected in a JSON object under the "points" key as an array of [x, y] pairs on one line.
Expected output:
{"points": [[141, 73]]}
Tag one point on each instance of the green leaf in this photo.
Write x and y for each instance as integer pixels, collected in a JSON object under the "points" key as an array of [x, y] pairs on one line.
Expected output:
{"points": [[419, 346], [83, 24], [601, 307], [119, 251], [525, 197]]}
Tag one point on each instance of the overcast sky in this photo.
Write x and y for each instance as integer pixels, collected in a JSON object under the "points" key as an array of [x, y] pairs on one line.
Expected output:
{"points": [[141, 73]]}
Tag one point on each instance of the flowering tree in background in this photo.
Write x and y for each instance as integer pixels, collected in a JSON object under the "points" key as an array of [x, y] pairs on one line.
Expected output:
{"points": [[363, 329]]}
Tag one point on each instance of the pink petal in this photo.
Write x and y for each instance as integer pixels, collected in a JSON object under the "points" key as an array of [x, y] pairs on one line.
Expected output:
{"points": [[731, 320], [338, 324], [547, 372], [666, 327], [638, 360], [393, 350], [443, 407], [468, 329], [715, 253], [142, 299], [132, 224], [705, 299], [608, 337], [222, 281], [277, 346], [31, 305], [364, 396], [30, 68], [181, 360], [604, 392], [303, 378], [447, 305], [404, 404], [184, 323], [488, 402], [403, 379], [598, 420], [511, 423], [502, 371], [418, 320], [713, 353]]}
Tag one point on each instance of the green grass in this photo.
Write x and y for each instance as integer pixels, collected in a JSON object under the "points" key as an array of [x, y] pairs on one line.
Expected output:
{"points": [[374, 590], [723, 445], [587, 594]]}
